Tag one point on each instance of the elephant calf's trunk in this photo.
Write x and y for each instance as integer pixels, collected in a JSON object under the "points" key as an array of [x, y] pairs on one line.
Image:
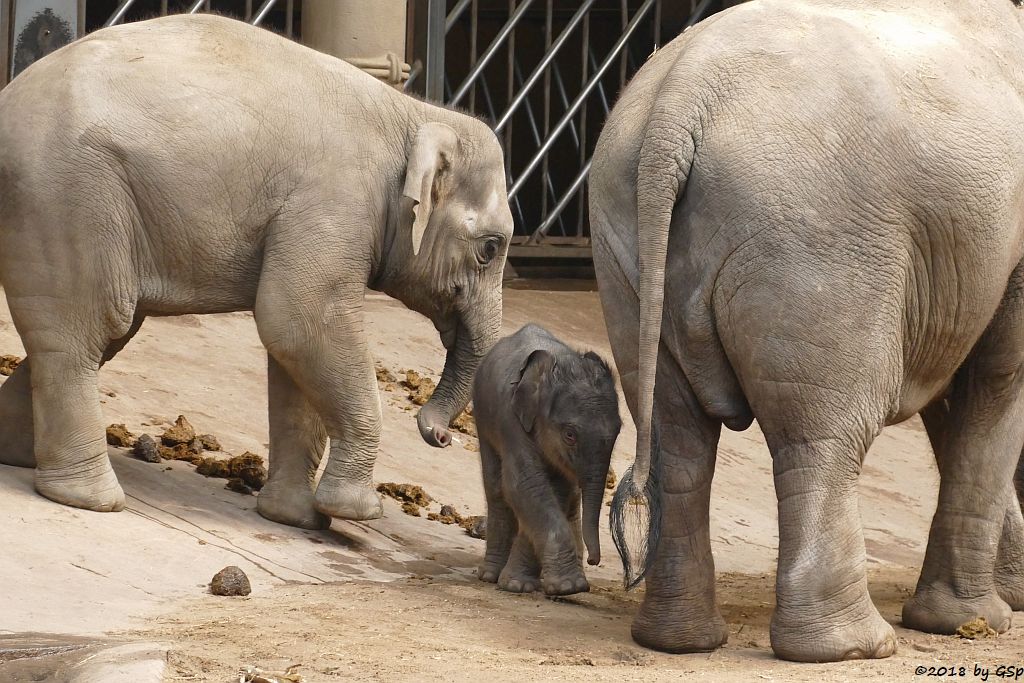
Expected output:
{"points": [[593, 496]]}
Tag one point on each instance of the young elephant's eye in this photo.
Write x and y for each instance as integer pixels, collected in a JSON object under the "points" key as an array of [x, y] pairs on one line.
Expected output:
{"points": [[569, 435], [487, 249]]}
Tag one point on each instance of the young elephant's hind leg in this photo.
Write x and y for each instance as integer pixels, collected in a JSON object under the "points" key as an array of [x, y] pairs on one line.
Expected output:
{"points": [[978, 448], [502, 527], [297, 442], [522, 571]]}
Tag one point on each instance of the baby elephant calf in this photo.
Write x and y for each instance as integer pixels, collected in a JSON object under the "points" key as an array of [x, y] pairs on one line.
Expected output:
{"points": [[548, 418]]}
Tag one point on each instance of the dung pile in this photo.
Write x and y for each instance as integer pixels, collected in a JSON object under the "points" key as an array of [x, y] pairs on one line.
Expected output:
{"points": [[475, 525], [245, 473], [8, 364], [411, 496]]}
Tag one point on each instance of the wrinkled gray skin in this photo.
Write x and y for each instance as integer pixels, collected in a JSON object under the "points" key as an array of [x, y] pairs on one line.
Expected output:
{"points": [[828, 196], [547, 417], [195, 164]]}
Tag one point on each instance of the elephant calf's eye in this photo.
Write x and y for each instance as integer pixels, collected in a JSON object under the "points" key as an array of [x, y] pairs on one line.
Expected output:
{"points": [[569, 435], [487, 250]]}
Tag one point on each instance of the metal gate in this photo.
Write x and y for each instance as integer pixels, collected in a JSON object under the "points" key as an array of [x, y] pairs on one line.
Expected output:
{"points": [[544, 73]]}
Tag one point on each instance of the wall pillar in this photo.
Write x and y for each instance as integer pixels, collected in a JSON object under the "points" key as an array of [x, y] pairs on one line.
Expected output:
{"points": [[370, 35]]}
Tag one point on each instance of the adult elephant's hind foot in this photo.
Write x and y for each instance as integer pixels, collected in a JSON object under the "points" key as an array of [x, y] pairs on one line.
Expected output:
{"points": [[1011, 590], [91, 485], [293, 505], [342, 500], [937, 609], [833, 638], [676, 631]]}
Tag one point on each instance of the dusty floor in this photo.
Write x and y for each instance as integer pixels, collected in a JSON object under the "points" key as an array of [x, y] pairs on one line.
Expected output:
{"points": [[395, 599]]}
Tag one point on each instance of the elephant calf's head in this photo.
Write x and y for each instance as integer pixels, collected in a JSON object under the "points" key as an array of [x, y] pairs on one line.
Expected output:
{"points": [[452, 238]]}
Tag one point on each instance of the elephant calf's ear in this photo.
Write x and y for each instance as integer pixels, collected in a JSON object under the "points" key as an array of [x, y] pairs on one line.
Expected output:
{"points": [[429, 159], [527, 397]]}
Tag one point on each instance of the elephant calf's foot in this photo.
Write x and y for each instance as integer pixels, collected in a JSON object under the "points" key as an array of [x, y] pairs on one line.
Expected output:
{"points": [[677, 627], [488, 572], [833, 637], [937, 609], [91, 486], [291, 504], [564, 583], [341, 500], [517, 582]]}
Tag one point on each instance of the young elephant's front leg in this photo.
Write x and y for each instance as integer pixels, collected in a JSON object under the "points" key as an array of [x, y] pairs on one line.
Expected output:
{"points": [[318, 338], [541, 519]]}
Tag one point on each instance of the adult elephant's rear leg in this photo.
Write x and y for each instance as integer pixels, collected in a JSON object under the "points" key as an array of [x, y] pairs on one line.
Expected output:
{"points": [[297, 442], [1009, 568], [16, 443], [978, 452], [679, 612]]}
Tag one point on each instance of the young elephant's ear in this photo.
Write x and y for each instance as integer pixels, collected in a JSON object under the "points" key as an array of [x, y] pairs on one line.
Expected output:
{"points": [[530, 389], [430, 157]]}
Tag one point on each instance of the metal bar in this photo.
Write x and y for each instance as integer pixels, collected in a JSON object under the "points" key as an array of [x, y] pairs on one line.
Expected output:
{"points": [[434, 60], [248, 10], [289, 18], [547, 113], [549, 185], [600, 88], [414, 73], [118, 16], [262, 12], [196, 6], [541, 69], [581, 209], [556, 212], [657, 25], [455, 14], [163, 8], [565, 101], [489, 101], [491, 50], [474, 29], [581, 98]]}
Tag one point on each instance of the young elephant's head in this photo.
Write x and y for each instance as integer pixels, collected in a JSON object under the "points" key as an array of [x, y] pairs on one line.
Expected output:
{"points": [[568, 405], [453, 232]]}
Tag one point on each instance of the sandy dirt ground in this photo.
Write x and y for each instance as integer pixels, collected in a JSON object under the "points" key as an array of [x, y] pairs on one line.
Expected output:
{"points": [[396, 599]]}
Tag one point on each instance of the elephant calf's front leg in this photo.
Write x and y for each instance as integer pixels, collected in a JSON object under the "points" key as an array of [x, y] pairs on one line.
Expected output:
{"points": [[543, 522]]}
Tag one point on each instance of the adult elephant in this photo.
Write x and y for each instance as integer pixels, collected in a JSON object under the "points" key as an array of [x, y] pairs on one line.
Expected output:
{"points": [[829, 195], [195, 164]]}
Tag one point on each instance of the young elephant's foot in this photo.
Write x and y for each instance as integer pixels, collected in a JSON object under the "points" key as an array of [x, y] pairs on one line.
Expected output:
{"points": [[565, 583], [937, 609], [348, 501], [292, 504], [834, 637], [90, 486], [679, 626], [488, 572], [518, 582]]}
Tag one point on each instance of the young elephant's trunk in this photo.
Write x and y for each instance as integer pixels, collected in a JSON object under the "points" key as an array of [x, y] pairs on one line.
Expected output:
{"points": [[593, 497], [473, 339]]}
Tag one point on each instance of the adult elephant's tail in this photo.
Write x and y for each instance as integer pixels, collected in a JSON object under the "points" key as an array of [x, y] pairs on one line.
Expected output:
{"points": [[666, 157]]}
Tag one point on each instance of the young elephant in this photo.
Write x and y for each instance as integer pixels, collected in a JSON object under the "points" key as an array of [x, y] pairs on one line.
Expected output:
{"points": [[195, 164], [548, 418]]}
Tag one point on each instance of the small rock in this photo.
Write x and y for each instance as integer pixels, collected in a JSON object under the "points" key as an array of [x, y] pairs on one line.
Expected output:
{"points": [[209, 442], [475, 526], [146, 449], [411, 509], [181, 433], [195, 446], [8, 364], [230, 581], [976, 628], [118, 435], [238, 486], [448, 511]]}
